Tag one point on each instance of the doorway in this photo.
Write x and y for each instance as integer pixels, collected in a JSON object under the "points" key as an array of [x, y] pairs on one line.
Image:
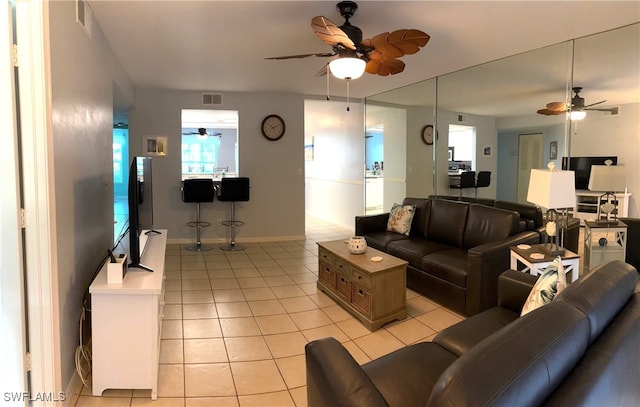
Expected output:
{"points": [[529, 157]]}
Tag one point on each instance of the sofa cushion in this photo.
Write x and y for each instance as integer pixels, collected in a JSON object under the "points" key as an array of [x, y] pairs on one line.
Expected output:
{"points": [[486, 224], [421, 215], [519, 365], [550, 283], [400, 218], [601, 294], [461, 337], [530, 213], [414, 249], [449, 265], [405, 376], [447, 220], [381, 240]]}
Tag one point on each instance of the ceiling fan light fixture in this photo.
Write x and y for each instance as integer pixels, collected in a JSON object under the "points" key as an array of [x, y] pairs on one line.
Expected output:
{"points": [[347, 67], [577, 114]]}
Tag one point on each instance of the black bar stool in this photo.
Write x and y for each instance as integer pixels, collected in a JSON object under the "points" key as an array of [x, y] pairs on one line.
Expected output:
{"points": [[233, 190], [467, 180], [198, 190], [483, 181]]}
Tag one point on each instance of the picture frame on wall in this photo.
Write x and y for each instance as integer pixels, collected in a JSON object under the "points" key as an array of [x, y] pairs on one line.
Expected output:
{"points": [[487, 151], [154, 145], [553, 150]]}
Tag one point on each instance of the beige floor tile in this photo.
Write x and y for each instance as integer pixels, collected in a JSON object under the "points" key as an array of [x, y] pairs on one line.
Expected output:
{"points": [[293, 370], [224, 283], [279, 281], [173, 297], [336, 313], [356, 353], [258, 293], [89, 401], [304, 278], [201, 328], [160, 402], [173, 285], [199, 273], [171, 351], [286, 344], [196, 284], [209, 350], [314, 318], [276, 324], [243, 349], [198, 311], [271, 271], [378, 343], [299, 396], [226, 272], [288, 291], [276, 399], [439, 319], [419, 305], [325, 331], [266, 307], [228, 295], [243, 269], [257, 377], [409, 331], [212, 402], [172, 329], [353, 328], [322, 299], [309, 288], [235, 327], [252, 282], [206, 380], [171, 381], [197, 297], [298, 304], [233, 309], [172, 311]]}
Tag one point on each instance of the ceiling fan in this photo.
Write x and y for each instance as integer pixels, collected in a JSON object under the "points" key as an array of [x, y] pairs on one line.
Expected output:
{"points": [[203, 132], [577, 105], [380, 53]]}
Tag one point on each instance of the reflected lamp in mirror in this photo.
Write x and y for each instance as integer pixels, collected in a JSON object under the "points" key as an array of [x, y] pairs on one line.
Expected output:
{"points": [[607, 179], [554, 190]]}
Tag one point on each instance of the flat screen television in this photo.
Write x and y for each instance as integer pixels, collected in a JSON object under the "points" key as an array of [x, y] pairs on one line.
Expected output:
{"points": [[140, 191], [581, 166]]}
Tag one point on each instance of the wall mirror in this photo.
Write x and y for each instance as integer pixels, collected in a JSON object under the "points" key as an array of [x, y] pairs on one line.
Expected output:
{"points": [[496, 104]]}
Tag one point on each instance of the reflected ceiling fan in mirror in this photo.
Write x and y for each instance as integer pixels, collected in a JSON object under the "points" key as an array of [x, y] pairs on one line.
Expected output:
{"points": [[203, 133], [377, 56], [577, 108]]}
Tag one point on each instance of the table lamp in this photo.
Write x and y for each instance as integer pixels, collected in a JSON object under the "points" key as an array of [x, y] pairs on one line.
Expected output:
{"points": [[553, 189], [608, 179]]}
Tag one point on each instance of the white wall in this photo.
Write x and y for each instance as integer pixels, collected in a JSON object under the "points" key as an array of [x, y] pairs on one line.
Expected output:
{"points": [[83, 72], [335, 177], [276, 168]]}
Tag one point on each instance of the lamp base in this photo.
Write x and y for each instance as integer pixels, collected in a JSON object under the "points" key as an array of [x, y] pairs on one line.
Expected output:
{"points": [[553, 249]]}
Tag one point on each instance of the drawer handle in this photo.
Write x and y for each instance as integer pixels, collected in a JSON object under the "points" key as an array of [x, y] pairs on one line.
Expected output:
{"points": [[360, 292], [359, 277]]}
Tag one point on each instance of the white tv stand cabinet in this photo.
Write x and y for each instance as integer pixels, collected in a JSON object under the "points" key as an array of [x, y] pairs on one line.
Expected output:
{"points": [[126, 322], [587, 204]]}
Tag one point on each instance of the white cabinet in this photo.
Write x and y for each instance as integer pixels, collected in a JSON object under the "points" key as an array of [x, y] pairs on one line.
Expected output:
{"points": [[604, 243], [126, 322], [374, 195], [587, 204]]}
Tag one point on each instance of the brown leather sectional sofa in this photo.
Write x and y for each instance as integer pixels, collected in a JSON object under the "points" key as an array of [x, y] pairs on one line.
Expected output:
{"points": [[579, 350], [455, 250]]}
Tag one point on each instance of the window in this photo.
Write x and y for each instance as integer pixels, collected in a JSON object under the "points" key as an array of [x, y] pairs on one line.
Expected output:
{"points": [[209, 143]]}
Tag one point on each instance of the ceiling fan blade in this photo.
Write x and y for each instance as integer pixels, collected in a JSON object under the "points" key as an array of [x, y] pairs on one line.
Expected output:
{"points": [[330, 33], [397, 43], [319, 54], [384, 67], [559, 107], [323, 71], [549, 112], [597, 103]]}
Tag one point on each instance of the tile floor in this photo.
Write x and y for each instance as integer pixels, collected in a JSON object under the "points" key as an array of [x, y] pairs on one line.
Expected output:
{"points": [[236, 323]]}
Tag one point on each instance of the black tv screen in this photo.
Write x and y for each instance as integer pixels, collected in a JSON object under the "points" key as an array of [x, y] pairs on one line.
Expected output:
{"points": [[140, 200], [581, 166]]}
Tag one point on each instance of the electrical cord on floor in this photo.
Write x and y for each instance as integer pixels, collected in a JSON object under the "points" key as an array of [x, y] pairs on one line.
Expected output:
{"points": [[83, 354]]}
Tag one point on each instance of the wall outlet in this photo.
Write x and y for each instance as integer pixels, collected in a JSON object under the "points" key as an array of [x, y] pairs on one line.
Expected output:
{"points": [[218, 221]]}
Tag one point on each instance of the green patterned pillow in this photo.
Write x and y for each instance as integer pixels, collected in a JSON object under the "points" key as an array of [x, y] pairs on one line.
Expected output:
{"points": [[400, 219], [550, 283]]}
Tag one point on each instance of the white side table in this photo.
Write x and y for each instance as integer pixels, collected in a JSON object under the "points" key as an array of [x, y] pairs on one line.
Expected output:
{"points": [[522, 260], [604, 242]]}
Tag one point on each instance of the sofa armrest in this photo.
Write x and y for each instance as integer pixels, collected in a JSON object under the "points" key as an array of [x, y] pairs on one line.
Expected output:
{"points": [[334, 378], [514, 288], [484, 264], [371, 223]]}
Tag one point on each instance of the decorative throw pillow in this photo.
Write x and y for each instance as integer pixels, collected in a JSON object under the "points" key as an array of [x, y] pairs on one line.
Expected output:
{"points": [[400, 218], [550, 283]]}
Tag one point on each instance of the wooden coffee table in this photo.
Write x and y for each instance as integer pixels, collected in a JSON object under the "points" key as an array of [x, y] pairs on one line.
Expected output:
{"points": [[373, 292]]}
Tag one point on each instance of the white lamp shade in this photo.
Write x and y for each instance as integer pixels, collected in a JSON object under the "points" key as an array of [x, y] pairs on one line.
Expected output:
{"points": [[347, 67], [607, 178], [577, 114], [552, 189]]}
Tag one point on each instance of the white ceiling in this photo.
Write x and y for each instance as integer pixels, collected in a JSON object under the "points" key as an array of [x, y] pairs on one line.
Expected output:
{"points": [[221, 45]]}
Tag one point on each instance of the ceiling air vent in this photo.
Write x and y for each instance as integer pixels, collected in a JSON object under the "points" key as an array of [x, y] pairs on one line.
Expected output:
{"points": [[84, 16], [212, 99], [460, 118]]}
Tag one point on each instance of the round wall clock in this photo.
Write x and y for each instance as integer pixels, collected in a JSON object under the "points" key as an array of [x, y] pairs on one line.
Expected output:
{"points": [[427, 134], [273, 127]]}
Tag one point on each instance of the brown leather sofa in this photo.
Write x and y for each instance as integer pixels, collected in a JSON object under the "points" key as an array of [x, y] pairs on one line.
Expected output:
{"points": [[579, 350], [455, 250]]}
